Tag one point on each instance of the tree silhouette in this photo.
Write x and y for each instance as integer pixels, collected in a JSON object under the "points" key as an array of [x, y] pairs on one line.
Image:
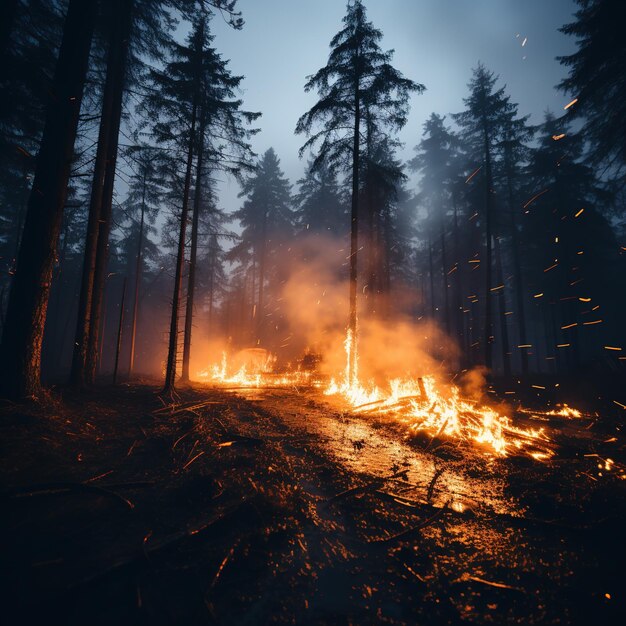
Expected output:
{"points": [[481, 127], [358, 77], [267, 220], [595, 80], [20, 351]]}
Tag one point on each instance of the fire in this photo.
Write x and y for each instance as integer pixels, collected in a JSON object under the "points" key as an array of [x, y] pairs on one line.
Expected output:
{"points": [[438, 409], [250, 368], [423, 405]]}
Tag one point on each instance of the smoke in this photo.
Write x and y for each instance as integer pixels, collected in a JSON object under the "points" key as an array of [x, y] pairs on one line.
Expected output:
{"points": [[314, 300], [312, 304]]}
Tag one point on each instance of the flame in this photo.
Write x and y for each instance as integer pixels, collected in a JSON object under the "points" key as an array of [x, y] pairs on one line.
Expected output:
{"points": [[424, 405], [253, 372], [438, 409]]}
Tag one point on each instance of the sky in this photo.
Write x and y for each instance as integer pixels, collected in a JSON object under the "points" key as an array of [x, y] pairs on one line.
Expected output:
{"points": [[436, 43]]}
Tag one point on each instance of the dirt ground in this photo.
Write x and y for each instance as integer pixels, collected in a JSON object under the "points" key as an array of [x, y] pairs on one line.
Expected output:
{"points": [[277, 506]]}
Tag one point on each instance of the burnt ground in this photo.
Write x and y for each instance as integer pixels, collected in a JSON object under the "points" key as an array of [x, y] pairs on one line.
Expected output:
{"points": [[277, 507]]}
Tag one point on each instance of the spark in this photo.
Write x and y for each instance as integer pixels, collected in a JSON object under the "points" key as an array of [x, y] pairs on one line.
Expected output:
{"points": [[585, 299], [563, 345], [612, 348], [579, 213], [558, 137], [535, 197], [473, 174], [550, 268], [524, 42], [591, 323], [570, 104], [569, 326], [497, 288], [619, 404], [525, 345], [537, 387], [538, 295]]}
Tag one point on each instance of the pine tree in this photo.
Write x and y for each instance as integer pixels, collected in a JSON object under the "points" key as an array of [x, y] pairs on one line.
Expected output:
{"points": [[481, 127], [595, 80], [514, 152], [193, 99], [266, 219], [569, 245], [20, 352], [434, 159], [222, 145], [140, 210], [358, 77], [320, 206], [383, 178], [29, 37]]}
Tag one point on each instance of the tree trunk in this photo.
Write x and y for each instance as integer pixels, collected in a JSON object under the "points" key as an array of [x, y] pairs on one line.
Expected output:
{"points": [[519, 284], [262, 262], [20, 353], [170, 369], [431, 275], [354, 239], [504, 330], [95, 205], [458, 295], [488, 335], [118, 343], [121, 48], [133, 327], [444, 271], [191, 280]]}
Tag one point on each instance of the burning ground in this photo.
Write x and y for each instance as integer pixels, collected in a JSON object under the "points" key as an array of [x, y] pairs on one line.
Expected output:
{"points": [[281, 504]]}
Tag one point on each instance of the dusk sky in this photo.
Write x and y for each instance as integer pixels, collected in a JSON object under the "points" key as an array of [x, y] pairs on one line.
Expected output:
{"points": [[436, 42]]}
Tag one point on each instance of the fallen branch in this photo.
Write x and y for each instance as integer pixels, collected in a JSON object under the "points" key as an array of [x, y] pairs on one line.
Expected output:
{"points": [[431, 486], [411, 531], [476, 579], [368, 487], [51, 489]]}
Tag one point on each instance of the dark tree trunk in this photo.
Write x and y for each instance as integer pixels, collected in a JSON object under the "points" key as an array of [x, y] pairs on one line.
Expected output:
{"points": [[354, 237], [104, 168], [385, 263], [431, 275], [444, 272], [118, 343], [488, 335], [262, 262], [133, 326], [170, 369], [20, 353], [504, 330], [122, 42], [372, 257], [519, 284], [458, 295], [193, 253]]}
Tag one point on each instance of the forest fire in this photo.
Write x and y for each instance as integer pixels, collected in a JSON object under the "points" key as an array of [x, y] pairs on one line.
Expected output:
{"points": [[283, 341], [422, 404]]}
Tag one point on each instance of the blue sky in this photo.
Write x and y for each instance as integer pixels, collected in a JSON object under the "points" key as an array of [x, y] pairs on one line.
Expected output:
{"points": [[436, 42]]}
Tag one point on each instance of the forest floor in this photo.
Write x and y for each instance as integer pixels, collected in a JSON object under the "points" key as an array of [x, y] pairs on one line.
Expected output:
{"points": [[275, 506]]}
